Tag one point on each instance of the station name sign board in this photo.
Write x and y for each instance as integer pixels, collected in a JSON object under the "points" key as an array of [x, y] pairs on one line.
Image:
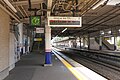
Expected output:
{"points": [[64, 21]]}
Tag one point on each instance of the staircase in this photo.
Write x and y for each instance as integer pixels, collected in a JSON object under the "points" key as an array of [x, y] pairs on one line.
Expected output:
{"points": [[105, 44]]}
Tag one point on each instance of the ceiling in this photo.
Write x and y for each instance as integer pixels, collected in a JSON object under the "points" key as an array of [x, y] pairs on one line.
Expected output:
{"points": [[106, 16]]}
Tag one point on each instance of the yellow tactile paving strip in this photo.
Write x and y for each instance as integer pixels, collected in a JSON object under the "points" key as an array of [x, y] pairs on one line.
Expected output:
{"points": [[72, 69]]}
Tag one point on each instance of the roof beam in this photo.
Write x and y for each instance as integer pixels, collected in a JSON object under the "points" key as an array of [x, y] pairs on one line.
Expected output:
{"points": [[20, 3], [9, 13], [20, 11], [49, 6], [24, 11]]}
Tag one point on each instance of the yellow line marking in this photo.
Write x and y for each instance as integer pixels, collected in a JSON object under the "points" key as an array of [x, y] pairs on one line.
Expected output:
{"points": [[72, 69]]}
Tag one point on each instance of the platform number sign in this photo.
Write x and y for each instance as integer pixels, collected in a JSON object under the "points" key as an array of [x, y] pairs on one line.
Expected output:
{"points": [[35, 20]]}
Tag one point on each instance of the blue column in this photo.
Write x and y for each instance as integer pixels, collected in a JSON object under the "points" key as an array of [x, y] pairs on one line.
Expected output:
{"points": [[48, 58]]}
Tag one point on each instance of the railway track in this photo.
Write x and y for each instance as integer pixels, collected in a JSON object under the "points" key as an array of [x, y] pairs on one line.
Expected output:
{"points": [[110, 65], [112, 61]]}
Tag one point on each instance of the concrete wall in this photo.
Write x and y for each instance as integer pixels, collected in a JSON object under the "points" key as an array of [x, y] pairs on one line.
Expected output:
{"points": [[93, 44], [12, 51], [4, 44]]}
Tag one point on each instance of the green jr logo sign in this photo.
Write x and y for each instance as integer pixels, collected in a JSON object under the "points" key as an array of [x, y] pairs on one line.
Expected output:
{"points": [[35, 21]]}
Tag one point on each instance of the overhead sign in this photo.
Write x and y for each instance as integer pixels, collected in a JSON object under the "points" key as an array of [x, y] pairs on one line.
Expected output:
{"points": [[64, 21], [39, 30], [35, 20], [37, 39]]}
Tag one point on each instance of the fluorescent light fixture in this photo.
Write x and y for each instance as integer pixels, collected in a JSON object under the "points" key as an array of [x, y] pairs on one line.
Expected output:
{"points": [[102, 32], [113, 2], [119, 30], [64, 30], [109, 32], [98, 4], [10, 5]]}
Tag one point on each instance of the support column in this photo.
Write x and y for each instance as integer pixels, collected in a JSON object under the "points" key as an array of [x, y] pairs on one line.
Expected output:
{"points": [[115, 42], [84, 42], [88, 41], [80, 41], [47, 46], [20, 26], [100, 43], [24, 44], [76, 42], [28, 48]]}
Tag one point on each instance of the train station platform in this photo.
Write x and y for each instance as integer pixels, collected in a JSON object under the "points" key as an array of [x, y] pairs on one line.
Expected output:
{"points": [[104, 52], [30, 67]]}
